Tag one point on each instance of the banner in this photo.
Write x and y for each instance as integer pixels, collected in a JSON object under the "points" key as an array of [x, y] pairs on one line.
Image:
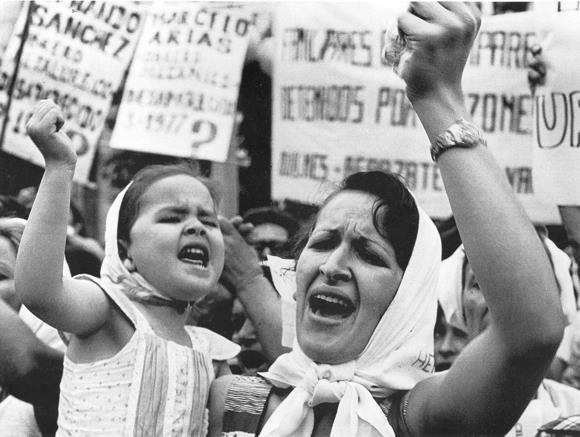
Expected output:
{"points": [[9, 12], [181, 93], [12, 20], [557, 114], [339, 109], [75, 54]]}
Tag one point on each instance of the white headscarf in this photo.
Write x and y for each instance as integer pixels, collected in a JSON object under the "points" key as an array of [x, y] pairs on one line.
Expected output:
{"points": [[450, 288], [398, 355], [115, 274], [450, 284]]}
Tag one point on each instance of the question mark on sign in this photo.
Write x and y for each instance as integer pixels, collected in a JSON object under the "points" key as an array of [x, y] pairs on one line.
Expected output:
{"points": [[208, 130]]}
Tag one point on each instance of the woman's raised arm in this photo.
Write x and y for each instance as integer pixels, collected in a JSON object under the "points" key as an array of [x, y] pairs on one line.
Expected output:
{"points": [[492, 381]]}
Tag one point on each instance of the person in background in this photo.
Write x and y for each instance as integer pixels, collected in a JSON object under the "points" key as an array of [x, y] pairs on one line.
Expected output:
{"points": [[31, 352], [273, 230], [465, 309], [269, 231]]}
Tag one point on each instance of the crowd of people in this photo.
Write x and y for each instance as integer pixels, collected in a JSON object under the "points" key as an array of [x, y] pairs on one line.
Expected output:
{"points": [[174, 325]]}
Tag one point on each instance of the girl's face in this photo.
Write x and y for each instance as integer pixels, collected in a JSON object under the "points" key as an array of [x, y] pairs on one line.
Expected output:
{"points": [[176, 243], [347, 276], [7, 259]]}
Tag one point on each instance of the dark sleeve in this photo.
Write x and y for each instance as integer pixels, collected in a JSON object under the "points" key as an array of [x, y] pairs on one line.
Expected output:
{"points": [[395, 408]]}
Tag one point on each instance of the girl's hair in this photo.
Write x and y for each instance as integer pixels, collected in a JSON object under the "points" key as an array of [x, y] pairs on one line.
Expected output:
{"points": [[395, 213], [12, 229], [130, 206]]}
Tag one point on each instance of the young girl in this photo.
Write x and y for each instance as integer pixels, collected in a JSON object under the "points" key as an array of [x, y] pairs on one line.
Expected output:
{"points": [[132, 366]]}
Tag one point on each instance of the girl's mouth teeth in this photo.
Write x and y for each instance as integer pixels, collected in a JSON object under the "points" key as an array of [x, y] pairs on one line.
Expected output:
{"points": [[194, 255], [331, 306]]}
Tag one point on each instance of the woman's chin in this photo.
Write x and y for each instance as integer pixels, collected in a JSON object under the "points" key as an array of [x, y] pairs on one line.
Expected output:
{"points": [[326, 349]]}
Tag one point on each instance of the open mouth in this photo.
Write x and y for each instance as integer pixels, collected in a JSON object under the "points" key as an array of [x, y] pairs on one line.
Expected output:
{"points": [[194, 254], [440, 367], [331, 305]]}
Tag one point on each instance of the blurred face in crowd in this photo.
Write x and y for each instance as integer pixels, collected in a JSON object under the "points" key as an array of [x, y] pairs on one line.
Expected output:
{"points": [[449, 342], [450, 339], [251, 358], [346, 277], [268, 239], [7, 258]]}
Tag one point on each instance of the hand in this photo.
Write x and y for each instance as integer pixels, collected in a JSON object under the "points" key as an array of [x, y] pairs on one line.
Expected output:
{"points": [[439, 37], [475, 311], [44, 130], [242, 264], [536, 67]]}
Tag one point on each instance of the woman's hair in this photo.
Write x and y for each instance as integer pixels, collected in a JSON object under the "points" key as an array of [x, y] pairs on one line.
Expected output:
{"points": [[395, 213], [130, 206], [12, 229]]}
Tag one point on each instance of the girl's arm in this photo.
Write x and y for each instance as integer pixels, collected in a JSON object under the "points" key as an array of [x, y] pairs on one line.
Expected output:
{"points": [[493, 379], [70, 305]]}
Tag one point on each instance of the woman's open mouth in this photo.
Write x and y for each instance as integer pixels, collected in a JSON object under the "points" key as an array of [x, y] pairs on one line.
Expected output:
{"points": [[330, 305]]}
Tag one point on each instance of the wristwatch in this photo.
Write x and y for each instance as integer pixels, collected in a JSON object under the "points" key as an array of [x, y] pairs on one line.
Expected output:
{"points": [[462, 133]]}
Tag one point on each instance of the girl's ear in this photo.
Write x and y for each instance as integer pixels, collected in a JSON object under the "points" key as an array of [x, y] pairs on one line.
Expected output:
{"points": [[123, 249], [129, 264]]}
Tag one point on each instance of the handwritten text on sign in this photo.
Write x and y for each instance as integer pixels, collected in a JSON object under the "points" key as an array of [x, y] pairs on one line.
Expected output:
{"points": [[181, 93], [75, 54], [339, 109], [557, 123]]}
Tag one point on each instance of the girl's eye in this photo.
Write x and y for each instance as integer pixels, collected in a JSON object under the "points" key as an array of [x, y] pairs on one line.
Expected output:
{"points": [[170, 219], [209, 222]]}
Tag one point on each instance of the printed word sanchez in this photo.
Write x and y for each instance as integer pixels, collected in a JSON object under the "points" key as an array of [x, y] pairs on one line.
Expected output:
{"points": [[558, 119], [501, 48], [333, 103], [313, 45], [92, 34]]}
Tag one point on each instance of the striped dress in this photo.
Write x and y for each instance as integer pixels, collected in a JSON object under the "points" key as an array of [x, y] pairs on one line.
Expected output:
{"points": [[247, 398], [152, 387]]}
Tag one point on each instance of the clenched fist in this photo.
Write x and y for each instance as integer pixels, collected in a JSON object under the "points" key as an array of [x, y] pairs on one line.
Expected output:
{"points": [[44, 130]]}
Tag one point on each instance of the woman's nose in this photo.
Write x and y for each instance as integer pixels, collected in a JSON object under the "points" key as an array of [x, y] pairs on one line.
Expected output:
{"points": [[335, 268]]}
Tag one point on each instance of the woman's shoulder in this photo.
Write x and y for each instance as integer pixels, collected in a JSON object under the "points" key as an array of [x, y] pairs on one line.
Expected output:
{"points": [[237, 403]]}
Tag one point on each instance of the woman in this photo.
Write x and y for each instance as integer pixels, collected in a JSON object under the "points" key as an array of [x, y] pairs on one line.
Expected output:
{"points": [[364, 319]]}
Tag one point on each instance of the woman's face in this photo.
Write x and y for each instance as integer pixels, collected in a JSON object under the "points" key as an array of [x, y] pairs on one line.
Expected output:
{"points": [[176, 243], [347, 276]]}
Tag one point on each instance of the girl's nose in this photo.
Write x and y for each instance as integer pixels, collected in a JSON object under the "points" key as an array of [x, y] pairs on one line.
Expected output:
{"points": [[195, 228]]}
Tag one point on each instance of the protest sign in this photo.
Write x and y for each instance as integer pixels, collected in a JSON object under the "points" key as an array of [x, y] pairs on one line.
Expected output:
{"points": [[11, 27], [75, 53], [9, 12], [557, 114], [181, 93], [339, 109]]}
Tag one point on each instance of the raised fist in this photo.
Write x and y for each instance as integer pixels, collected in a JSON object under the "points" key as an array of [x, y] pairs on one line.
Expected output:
{"points": [[44, 130]]}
